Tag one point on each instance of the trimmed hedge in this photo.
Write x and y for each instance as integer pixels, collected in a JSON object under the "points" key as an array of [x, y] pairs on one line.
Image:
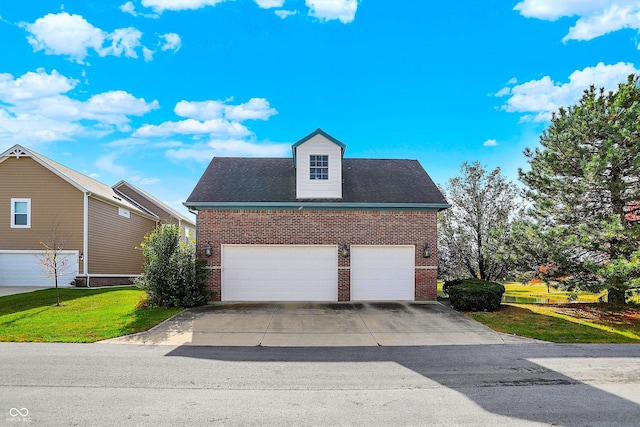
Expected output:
{"points": [[476, 295], [449, 283]]}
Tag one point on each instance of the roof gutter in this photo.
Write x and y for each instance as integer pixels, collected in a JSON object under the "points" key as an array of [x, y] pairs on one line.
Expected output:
{"points": [[316, 206]]}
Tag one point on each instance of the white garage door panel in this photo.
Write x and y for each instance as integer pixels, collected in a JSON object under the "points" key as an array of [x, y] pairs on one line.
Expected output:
{"points": [[25, 269], [381, 273], [279, 273]]}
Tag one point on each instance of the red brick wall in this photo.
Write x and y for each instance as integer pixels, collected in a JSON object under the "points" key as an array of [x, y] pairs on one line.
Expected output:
{"points": [[308, 227]]}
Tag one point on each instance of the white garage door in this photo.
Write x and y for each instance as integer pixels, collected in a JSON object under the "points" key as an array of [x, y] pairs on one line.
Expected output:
{"points": [[380, 273], [23, 268], [279, 273]]}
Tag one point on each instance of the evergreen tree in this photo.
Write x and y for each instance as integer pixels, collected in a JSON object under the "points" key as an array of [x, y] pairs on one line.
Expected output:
{"points": [[583, 178]]}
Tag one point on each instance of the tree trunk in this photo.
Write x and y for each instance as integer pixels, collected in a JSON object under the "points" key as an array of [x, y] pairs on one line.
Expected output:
{"points": [[616, 296]]}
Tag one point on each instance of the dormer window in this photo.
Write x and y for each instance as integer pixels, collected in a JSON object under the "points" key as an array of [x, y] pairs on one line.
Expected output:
{"points": [[319, 167]]}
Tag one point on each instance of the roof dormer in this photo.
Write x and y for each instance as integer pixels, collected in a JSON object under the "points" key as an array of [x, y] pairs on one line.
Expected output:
{"points": [[318, 161]]}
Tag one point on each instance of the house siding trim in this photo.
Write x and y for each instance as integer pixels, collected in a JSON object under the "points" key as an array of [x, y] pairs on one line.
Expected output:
{"points": [[316, 206]]}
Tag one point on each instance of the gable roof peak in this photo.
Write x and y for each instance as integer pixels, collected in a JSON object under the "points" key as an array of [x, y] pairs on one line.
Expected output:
{"points": [[318, 131], [16, 151]]}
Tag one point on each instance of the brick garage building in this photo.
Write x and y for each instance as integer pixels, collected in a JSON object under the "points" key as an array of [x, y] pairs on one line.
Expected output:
{"points": [[318, 227]]}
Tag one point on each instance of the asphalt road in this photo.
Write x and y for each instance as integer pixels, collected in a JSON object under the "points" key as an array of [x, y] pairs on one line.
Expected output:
{"points": [[480, 385]]}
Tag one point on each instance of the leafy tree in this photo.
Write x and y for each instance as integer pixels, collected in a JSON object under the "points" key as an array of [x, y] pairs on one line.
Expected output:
{"points": [[174, 276], [474, 230], [582, 181]]}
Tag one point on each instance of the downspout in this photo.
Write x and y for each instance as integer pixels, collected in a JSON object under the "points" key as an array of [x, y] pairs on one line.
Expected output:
{"points": [[195, 212], [85, 238]]}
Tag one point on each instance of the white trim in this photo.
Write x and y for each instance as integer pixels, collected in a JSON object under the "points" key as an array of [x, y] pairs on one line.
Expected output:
{"points": [[426, 267], [13, 212], [37, 251], [85, 237]]}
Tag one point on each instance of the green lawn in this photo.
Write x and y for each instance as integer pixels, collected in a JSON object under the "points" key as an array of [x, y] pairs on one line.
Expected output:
{"points": [[569, 323], [86, 315]]}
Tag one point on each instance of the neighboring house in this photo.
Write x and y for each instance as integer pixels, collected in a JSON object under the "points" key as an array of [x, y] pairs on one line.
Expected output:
{"points": [[318, 227], [164, 212], [101, 229]]}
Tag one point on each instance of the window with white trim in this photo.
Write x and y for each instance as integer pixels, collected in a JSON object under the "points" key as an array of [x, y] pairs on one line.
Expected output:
{"points": [[319, 167], [20, 213]]}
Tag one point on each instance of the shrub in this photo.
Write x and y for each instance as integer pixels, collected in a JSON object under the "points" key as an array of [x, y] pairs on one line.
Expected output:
{"points": [[173, 275], [448, 283], [476, 295]]}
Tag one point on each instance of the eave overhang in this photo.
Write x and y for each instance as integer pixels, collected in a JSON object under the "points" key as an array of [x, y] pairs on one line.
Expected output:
{"points": [[285, 206]]}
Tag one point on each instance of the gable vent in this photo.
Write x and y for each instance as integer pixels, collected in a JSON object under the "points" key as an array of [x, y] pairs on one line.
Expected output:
{"points": [[17, 152]]}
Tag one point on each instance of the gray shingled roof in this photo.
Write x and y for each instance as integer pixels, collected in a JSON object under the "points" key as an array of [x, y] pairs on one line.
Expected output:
{"points": [[263, 180]]}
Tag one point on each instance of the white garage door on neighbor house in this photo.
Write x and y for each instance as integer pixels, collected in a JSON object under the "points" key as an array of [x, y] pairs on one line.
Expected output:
{"points": [[23, 268], [380, 273], [279, 273]]}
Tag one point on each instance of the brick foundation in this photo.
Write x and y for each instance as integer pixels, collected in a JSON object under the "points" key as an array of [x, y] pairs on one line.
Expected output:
{"points": [[94, 282], [331, 227]]}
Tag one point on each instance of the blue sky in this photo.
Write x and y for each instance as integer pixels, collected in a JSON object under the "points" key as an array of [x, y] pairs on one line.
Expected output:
{"points": [[150, 90]]}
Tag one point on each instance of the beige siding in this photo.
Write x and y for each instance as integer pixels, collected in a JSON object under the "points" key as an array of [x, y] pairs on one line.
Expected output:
{"points": [[318, 189], [54, 204], [113, 239], [150, 206]]}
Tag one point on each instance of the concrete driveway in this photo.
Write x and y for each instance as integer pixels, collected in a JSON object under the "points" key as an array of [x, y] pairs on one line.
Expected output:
{"points": [[332, 324], [12, 290]]}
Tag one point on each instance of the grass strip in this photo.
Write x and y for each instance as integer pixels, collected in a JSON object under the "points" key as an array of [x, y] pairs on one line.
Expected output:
{"points": [[86, 315], [530, 320]]}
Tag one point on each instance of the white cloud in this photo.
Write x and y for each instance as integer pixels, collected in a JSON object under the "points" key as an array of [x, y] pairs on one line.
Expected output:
{"points": [[218, 127], [200, 153], [236, 147], [64, 34], [612, 19], [539, 98], [34, 107], [75, 38], [129, 8], [596, 17], [255, 109], [34, 85], [268, 4], [147, 54], [490, 143], [553, 9], [172, 41], [107, 163], [160, 6], [205, 110], [33, 129], [123, 40], [227, 148], [285, 13], [327, 10], [119, 102], [141, 180]]}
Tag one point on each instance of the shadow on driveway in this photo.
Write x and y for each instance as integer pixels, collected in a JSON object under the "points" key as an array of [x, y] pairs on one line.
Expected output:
{"points": [[568, 385]]}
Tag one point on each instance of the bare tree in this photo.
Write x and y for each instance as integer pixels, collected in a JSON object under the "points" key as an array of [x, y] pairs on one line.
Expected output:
{"points": [[52, 261]]}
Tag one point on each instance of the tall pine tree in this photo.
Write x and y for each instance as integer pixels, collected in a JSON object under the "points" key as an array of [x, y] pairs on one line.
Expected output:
{"points": [[585, 173]]}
